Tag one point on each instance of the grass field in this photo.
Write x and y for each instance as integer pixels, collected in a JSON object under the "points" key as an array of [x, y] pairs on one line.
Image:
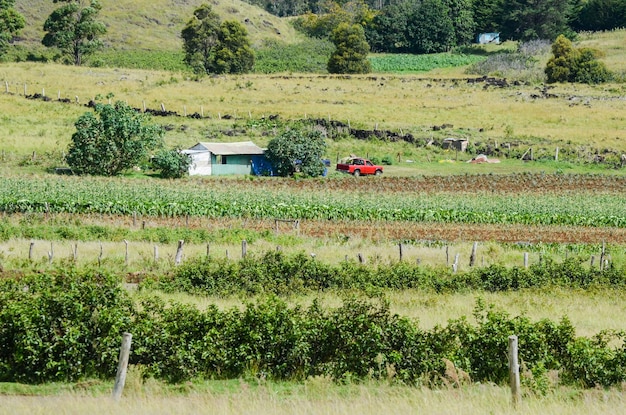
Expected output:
{"points": [[581, 117], [315, 396]]}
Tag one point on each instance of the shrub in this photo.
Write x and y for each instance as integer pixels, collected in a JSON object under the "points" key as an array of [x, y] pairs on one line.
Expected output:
{"points": [[569, 64], [171, 163]]}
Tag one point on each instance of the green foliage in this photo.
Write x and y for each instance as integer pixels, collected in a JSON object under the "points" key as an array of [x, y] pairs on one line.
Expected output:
{"points": [[114, 139], [61, 326], [171, 163], [212, 46], [233, 53], [236, 198], [277, 273], [296, 151], [11, 22], [401, 63], [311, 55], [529, 20], [73, 28], [569, 64], [351, 49], [66, 325], [332, 15], [200, 38], [431, 29], [600, 15]]}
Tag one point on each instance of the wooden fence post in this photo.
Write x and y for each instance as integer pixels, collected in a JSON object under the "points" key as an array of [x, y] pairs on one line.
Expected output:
{"points": [[525, 259], [122, 366], [51, 254], [244, 248], [473, 254], [156, 254], [361, 258], [30, 250], [400, 249], [126, 252], [179, 253], [514, 371]]}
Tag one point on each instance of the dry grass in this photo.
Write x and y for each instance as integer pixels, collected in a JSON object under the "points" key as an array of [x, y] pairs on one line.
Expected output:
{"points": [[589, 116], [320, 396]]}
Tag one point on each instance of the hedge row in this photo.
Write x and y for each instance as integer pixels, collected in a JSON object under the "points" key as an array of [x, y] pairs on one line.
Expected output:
{"points": [[67, 325], [277, 273]]}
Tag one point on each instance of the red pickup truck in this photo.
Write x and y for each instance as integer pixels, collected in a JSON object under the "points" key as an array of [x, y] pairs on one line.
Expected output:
{"points": [[358, 166]]}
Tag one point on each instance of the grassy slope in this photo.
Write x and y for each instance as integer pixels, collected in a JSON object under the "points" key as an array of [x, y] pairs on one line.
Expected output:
{"points": [[156, 24]]}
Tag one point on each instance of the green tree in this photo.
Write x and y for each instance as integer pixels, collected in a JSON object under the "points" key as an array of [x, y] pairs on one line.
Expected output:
{"points": [[73, 29], [295, 151], [569, 64], [351, 49], [388, 31], [211, 46], [200, 38], [233, 52], [172, 164], [596, 15], [332, 14], [536, 19], [11, 22], [112, 139], [462, 16], [431, 29]]}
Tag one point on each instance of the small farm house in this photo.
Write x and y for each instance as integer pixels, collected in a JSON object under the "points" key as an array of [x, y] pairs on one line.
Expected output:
{"points": [[226, 158]]}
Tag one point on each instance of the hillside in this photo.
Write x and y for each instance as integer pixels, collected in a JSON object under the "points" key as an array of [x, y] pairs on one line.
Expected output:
{"points": [[156, 24]]}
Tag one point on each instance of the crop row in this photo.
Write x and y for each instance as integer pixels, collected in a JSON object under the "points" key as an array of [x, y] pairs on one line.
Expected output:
{"points": [[252, 200]]}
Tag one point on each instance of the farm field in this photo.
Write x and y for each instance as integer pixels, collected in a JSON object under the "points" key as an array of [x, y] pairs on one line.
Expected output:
{"points": [[430, 207]]}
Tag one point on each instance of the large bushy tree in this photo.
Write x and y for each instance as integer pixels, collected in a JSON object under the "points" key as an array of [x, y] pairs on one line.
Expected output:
{"points": [[569, 64], [297, 151], [112, 139], [211, 46], [74, 29], [11, 22], [233, 53], [351, 49]]}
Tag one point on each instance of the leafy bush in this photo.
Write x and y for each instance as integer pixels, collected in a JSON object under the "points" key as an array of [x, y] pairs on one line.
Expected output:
{"points": [[62, 326], [569, 64], [67, 325], [171, 163]]}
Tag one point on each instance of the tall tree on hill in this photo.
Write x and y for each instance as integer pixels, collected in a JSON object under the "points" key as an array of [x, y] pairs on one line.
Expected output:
{"points": [[233, 53], [212, 46], [11, 22], [73, 29], [351, 49]]}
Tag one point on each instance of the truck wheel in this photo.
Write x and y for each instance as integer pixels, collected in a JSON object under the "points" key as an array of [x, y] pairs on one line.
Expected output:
{"points": [[357, 173], [378, 172]]}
